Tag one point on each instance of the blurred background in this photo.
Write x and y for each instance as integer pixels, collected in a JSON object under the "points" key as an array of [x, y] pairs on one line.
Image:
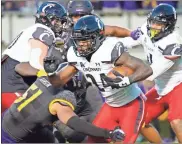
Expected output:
{"points": [[17, 15]]}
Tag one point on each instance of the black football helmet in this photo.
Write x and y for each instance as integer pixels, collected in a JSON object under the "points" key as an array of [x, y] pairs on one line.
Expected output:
{"points": [[88, 28], [162, 14], [53, 15], [80, 7]]}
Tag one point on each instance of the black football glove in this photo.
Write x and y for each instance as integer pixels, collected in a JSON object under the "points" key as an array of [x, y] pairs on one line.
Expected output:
{"points": [[117, 134], [51, 64], [118, 82]]}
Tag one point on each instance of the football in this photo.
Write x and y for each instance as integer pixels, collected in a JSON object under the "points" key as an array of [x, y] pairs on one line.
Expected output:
{"points": [[123, 70]]}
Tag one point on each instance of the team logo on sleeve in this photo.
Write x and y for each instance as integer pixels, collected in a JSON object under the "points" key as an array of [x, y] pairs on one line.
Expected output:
{"points": [[45, 34], [175, 49]]}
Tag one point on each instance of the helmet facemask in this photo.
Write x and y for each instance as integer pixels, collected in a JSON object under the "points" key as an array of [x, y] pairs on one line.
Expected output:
{"points": [[161, 21], [84, 45], [57, 24], [156, 29]]}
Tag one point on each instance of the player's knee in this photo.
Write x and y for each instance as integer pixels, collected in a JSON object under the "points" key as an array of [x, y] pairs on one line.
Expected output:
{"points": [[176, 125]]}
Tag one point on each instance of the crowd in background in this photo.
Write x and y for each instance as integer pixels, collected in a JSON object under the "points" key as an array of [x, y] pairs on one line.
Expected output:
{"points": [[27, 6]]}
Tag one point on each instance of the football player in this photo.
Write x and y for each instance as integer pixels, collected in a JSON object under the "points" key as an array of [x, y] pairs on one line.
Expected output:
{"points": [[87, 106], [43, 104], [163, 48], [90, 56], [31, 46]]}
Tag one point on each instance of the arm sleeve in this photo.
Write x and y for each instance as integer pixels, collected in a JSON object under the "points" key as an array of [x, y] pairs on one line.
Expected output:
{"points": [[160, 67], [87, 128], [129, 42]]}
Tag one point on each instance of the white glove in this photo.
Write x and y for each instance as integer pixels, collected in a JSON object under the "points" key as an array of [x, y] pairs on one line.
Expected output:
{"points": [[118, 82]]}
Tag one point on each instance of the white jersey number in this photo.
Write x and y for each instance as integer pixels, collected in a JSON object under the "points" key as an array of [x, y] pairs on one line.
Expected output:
{"points": [[149, 58], [95, 82]]}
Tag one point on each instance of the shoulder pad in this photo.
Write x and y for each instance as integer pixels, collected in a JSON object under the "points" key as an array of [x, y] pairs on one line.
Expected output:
{"points": [[71, 55], [66, 98], [118, 49], [44, 35], [173, 51]]}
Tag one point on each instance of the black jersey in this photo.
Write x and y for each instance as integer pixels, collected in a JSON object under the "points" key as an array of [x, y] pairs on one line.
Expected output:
{"points": [[31, 111]]}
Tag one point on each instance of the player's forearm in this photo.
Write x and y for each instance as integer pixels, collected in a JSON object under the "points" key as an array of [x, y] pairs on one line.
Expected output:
{"points": [[68, 117], [87, 128], [25, 69], [129, 42], [117, 31], [56, 81], [61, 78], [142, 72]]}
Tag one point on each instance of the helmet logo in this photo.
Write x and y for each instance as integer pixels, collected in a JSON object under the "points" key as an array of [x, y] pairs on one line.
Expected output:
{"points": [[48, 5], [176, 46]]}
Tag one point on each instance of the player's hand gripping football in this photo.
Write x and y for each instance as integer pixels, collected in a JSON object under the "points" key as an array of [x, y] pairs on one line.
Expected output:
{"points": [[51, 64], [118, 82], [117, 134]]}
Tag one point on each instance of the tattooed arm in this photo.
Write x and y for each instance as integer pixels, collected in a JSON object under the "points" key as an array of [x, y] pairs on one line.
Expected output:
{"points": [[141, 70], [119, 57]]}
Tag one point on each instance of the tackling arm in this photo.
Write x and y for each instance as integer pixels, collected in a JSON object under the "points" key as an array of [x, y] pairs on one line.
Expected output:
{"points": [[117, 31], [25, 69], [63, 76], [37, 54], [68, 117], [58, 73]]}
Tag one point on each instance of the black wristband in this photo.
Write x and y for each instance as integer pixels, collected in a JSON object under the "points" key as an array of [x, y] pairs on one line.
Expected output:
{"points": [[82, 126]]}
